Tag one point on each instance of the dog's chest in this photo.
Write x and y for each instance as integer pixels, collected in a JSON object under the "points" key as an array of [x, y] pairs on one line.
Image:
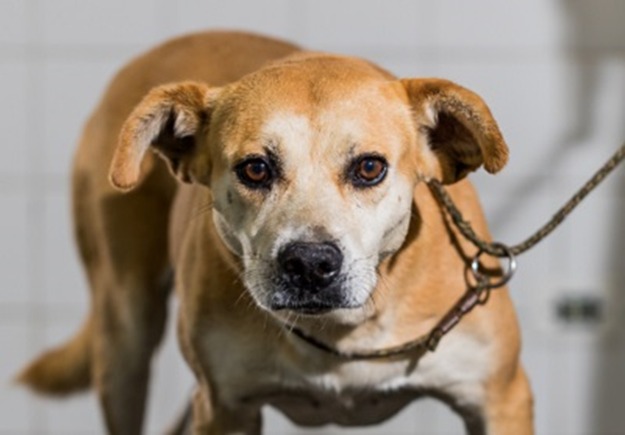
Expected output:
{"points": [[313, 393], [351, 407], [313, 388]]}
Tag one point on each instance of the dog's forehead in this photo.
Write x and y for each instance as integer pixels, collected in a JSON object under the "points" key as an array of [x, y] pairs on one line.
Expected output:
{"points": [[321, 83], [317, 100]]}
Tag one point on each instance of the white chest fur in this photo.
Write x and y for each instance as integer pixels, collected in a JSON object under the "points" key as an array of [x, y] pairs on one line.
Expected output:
{"points": [[312, 387]]}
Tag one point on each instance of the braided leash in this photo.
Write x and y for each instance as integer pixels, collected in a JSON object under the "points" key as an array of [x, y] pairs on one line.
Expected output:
{"points": [[497, 249], [477, 295]]}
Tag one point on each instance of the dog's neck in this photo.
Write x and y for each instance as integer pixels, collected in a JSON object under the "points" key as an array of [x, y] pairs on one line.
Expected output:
{"points": [[397, 315]]}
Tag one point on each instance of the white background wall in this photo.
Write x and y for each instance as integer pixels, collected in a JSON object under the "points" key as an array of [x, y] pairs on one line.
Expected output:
{"points": [[553, 73]]}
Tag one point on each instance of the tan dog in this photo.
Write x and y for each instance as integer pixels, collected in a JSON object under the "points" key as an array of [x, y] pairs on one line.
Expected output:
{"points": [[302, 204]]}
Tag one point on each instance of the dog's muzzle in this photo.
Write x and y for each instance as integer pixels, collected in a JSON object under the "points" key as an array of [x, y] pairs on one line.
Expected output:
{"points": [[309, 275]]}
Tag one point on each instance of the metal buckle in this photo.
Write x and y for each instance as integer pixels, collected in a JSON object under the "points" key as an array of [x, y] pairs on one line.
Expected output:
{"points": [[483, 279]]}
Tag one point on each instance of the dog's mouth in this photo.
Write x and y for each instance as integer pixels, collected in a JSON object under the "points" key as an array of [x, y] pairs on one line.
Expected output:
{"points": [[305, 301], [311, 308]]}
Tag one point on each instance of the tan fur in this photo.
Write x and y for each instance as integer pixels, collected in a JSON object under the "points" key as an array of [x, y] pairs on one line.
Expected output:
{"points": [[314, 110]]}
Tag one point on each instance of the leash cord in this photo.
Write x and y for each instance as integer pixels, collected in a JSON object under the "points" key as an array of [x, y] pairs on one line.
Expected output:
{"points": [[497, 249], [477, 295]]}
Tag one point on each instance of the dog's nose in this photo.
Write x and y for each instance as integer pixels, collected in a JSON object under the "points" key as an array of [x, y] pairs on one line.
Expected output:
{"points": [[310, 265]]}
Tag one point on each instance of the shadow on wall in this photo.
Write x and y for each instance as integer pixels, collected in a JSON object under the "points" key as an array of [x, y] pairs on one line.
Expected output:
{"points": [[596, 37]]}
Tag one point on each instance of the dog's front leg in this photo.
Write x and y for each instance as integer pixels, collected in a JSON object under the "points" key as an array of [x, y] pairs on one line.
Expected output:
{"points": [[508, 407], [129, 280], [123, 349], [209, 418]]}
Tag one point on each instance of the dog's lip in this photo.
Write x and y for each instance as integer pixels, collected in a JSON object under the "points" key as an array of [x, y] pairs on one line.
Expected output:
{"points": [[311, 308]]}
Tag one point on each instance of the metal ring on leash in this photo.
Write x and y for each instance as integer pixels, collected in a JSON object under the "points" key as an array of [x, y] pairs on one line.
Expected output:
{"points": [[480, 277]]}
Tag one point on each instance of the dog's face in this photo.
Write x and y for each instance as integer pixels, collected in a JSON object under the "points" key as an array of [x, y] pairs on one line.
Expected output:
{"points": [[312, 165], [313, 191]]}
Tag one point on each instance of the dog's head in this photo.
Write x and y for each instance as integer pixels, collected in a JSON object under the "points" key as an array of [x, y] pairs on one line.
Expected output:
{"points": [[312, 164]]}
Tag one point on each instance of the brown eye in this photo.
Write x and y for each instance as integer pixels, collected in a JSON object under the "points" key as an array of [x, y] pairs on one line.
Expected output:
{"points": [[368, 171], [255, 173]]}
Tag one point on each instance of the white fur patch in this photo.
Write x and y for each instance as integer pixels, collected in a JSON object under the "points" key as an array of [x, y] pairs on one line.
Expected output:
{"points": [[291, 130]]}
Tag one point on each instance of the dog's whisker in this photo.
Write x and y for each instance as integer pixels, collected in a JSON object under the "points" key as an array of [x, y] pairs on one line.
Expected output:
{"points": [[201, 211], [385, 287], [239, 298]]}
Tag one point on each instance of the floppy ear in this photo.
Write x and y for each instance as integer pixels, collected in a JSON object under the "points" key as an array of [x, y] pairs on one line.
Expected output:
{"points": [[458, 126], [169, 120]]}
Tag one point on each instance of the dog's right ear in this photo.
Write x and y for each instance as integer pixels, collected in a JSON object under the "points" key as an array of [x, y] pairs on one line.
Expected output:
{"points": [[169, 119], [460, 130]]}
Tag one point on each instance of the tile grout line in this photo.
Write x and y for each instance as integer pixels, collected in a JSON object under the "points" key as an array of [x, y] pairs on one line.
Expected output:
{"points": [[35, 196]]}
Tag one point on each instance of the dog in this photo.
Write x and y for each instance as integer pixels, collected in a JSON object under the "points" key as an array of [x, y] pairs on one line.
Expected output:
{"points": [[286, 192]]}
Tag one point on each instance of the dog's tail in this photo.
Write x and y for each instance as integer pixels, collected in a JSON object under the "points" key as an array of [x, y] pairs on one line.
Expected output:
{"points": [[62, 370]]}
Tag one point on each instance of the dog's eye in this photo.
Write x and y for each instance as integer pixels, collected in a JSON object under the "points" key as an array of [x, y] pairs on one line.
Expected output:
{"points": [[255, 172], [368, 171]]}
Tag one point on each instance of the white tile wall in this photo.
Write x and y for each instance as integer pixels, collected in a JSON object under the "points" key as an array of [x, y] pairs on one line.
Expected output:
{"points": [[14, 25], [92, 22], [71, 89], [240, 14], [14, 263], [509, 26], [16, 339], [355, 24], [552, 72], [63, 279], [12, 89]]}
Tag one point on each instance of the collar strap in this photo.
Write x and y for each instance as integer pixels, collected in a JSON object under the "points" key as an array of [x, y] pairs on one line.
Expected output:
{"points": [[474, 296]]}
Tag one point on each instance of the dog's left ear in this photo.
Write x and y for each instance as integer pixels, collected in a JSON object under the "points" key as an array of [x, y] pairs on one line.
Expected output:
{"points": [[169, 120], [459, 128]]}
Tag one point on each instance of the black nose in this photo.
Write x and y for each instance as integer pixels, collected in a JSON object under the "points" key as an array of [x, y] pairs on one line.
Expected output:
{"points": [[312, 266]]}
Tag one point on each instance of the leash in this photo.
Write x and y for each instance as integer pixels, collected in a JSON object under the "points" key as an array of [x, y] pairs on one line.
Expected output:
{"points": [[429, 342], [478, 294], [496, 249]]}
